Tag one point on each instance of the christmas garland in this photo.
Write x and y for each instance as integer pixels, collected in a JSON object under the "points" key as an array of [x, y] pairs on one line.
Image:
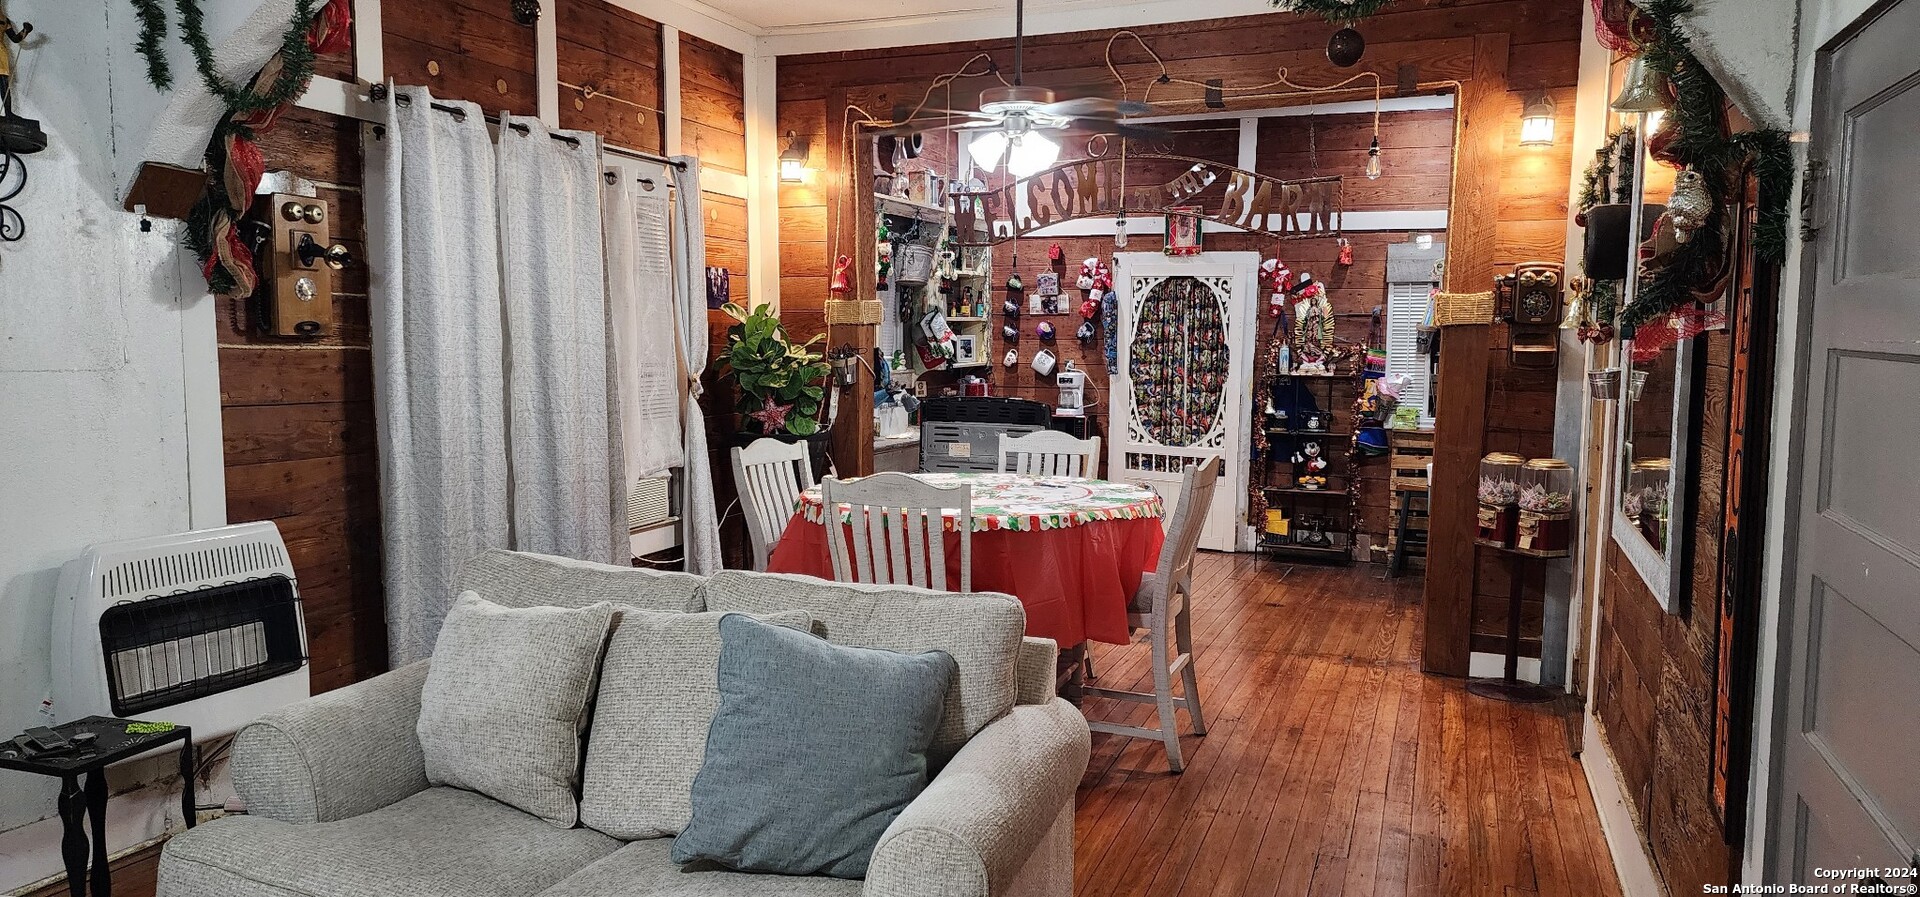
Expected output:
{"points": [[296, 55], [1697, 139], [153, 30], [1339, 12]]}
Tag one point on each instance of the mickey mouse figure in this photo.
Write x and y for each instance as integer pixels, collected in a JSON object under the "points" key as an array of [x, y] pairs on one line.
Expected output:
{"points": [[1313, 466]]}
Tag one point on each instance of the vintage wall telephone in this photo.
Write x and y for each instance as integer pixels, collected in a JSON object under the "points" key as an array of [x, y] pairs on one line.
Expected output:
{"points": [[294, 248], [1530, 300]]}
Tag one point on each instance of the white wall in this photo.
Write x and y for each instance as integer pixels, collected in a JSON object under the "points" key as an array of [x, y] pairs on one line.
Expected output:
{"points": [[94, 406]]}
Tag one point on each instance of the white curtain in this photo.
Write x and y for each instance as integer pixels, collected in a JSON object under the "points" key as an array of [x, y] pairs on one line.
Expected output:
{"points": [[437, 358], [700, 518], [569, 495]]}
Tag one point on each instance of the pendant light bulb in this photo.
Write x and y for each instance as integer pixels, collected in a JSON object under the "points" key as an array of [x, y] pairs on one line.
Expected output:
{"points": [[1120, 230], [987, 148], [1373, 159]]}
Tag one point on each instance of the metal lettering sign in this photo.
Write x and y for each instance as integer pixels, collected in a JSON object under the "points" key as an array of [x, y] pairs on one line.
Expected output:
{"points": [[1092, 188]]}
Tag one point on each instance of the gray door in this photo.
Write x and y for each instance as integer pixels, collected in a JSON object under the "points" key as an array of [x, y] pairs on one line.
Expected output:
{"points": [[1850, 786]]}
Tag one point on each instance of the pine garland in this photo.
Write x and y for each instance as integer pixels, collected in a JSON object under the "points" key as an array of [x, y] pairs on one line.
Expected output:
{"points": [[153, 32], [1700, 142], [1339, 12]]}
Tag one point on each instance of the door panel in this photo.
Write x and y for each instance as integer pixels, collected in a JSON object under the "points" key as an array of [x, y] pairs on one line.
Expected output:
{"points": [[1850, 798], [1180, 387]]}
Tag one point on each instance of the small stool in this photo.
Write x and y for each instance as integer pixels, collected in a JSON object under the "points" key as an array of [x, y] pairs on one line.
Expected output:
{"points": [[111, 744]]}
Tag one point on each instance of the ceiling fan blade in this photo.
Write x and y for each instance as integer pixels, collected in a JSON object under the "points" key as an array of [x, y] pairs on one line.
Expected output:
{"points": [[1109, 126], [1095, 107]]}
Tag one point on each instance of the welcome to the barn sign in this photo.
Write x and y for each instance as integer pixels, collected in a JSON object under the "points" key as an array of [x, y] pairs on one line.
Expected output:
{"points": [[1093, 188]]}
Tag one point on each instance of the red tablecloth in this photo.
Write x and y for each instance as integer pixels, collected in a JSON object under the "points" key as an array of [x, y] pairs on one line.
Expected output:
{"points": [[1074, 580]]}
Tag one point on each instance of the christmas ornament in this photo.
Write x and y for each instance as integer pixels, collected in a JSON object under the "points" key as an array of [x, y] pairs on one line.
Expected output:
{"points": [[1690, 205], [842, 283], [1346, 253], [1345, 47]]}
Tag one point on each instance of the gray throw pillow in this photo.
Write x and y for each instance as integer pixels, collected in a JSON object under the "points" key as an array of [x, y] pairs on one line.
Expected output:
{"points": [[657, 697], [814, 750], [505, 702]]}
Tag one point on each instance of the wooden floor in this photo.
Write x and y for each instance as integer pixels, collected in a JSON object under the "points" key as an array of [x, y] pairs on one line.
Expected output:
{"points": [[1332, 765]]}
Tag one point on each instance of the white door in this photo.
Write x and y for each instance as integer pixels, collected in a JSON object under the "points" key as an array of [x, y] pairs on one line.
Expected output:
{"points": [[1850, 793], [1180, 385]]}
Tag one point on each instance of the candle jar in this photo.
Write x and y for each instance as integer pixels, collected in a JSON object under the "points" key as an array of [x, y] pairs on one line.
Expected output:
{"points": [[1499, 495], [1545, 526]]}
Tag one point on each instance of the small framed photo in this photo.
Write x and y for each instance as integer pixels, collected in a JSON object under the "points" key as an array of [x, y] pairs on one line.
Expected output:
{"points": [[966, 349], [719, 287], [1183, 230], [1046, 283]]}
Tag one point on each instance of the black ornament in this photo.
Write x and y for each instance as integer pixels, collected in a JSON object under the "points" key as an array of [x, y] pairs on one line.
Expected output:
{"points": [[526, 12], [1345, 47]]}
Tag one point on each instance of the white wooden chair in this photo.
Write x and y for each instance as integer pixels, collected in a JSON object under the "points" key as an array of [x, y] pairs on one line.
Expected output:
{"points": [[1165, 600], [770, 475], [897, 531], [1050, 453]]}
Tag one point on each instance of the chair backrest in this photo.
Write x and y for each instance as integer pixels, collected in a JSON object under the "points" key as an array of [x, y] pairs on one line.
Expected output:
{"points": [[1183, 528], [770, 475], [1050, 453], [897, 531]]}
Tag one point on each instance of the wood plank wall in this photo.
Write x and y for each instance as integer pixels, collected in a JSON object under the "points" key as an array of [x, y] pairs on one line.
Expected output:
{"points": [[1655, 685], [1512, 209]]}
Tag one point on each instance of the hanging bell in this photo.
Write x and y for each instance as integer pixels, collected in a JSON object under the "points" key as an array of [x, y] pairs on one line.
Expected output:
{"points": [[1642, 91]]}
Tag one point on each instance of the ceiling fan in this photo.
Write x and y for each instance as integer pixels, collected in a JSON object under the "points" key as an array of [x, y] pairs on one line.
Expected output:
{"points": [[1013, 119]]}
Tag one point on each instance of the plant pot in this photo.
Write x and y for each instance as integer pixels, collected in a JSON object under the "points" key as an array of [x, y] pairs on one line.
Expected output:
{"points": [[817, 446]]}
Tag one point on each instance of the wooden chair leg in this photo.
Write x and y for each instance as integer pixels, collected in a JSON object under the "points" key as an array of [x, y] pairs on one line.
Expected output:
{"points": [[1163, 697], [1183, 641], [1086, 662]]}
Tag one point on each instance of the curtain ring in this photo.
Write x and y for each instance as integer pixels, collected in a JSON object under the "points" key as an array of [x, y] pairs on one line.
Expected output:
{"points": [[612, 179], [1101, 153]]}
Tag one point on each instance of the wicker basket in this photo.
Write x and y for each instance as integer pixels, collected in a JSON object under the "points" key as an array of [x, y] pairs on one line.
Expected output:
{"points": [[1451, 309], [854, 311]]}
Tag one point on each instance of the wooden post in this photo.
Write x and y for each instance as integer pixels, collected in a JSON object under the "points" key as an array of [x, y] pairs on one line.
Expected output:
{"points": [[850, 226], [1461, 411]]}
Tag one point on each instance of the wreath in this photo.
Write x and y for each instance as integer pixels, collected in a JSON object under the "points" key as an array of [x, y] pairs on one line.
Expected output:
{"points": [[234, 162], [1697, 138]]}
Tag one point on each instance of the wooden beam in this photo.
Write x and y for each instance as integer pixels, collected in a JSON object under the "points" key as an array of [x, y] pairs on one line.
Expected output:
{"points": [[849, 220], [1459, 424]]}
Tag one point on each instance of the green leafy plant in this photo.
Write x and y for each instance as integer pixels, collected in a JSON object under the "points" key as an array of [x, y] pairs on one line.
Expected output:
{"points": [[781, 382]]}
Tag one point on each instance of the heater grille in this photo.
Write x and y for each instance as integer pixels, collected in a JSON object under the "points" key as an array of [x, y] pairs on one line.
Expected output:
{"points": [[145, 575], [168, 649]]}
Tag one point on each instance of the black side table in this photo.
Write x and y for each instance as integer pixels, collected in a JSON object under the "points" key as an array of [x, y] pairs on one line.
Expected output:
{"points": [[112, 744]]}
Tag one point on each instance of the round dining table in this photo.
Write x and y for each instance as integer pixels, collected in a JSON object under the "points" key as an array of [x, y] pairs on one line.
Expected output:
{"points": [[1072, 550]]}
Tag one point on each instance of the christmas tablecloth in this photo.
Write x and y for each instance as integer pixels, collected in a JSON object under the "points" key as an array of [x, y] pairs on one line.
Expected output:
{"points": [[1072, 550]]}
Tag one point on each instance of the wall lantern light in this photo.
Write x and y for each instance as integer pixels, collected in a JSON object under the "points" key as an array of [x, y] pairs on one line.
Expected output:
{"points": [[1536, 122], [793, 160]]}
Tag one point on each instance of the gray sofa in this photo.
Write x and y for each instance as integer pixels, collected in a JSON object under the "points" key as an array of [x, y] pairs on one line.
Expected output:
{"points": [[339, 804]]}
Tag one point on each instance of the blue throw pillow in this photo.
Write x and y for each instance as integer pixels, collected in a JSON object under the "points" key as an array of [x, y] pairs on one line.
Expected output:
{"points": [[814, 750]]}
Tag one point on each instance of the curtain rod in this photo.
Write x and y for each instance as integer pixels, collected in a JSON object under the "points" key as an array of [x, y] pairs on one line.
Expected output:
{"points": [[378, 94]]}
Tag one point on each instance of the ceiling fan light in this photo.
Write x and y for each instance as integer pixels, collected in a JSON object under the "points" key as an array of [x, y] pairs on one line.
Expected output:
{"points": [[1031, 154], [987, 148]]}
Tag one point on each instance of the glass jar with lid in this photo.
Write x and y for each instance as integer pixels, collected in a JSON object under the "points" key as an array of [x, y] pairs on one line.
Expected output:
{"points": [[1499, 495], [1546, 508], [1648, 500]]}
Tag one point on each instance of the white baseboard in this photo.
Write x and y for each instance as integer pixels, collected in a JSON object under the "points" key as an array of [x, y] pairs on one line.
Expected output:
{"points": [[1481, 665], [1630, 859]]}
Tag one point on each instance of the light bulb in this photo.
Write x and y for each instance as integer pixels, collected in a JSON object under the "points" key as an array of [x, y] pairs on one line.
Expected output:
{"points": [[1120, 231], [1536, 122], [987, 148], [1031, 154], [1373, 160]]}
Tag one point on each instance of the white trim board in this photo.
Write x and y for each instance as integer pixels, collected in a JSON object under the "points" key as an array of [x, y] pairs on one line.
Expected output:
{"points": [[1483, 665], [985, 23], [1630, 860]]}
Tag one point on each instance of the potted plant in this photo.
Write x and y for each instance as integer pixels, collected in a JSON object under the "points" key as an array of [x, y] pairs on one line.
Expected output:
{"points": [[782, 383]]}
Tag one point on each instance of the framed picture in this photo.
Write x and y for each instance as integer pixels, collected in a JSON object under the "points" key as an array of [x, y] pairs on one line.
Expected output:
{"points": [[719, 287], [1046, 283], [966, 349], [1183, 230]]}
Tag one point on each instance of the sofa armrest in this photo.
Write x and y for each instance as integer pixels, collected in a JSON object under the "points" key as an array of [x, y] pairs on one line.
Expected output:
{"points": [[971, 832], [1037, 671], [337, 755]]}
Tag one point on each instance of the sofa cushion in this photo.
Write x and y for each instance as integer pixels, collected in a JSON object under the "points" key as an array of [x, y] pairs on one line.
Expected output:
{"points": [[438, 842], [657, 696], [505, 702], [644, 869], [981, 631], [815, 749], [523, 579]]}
